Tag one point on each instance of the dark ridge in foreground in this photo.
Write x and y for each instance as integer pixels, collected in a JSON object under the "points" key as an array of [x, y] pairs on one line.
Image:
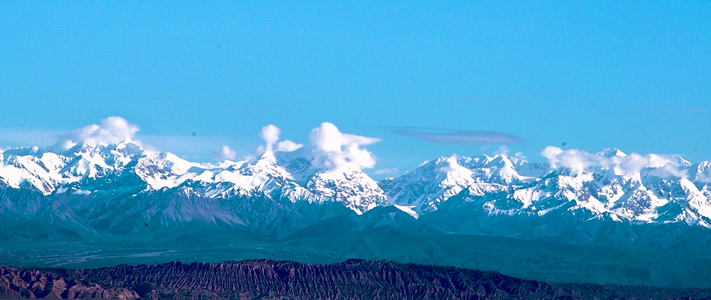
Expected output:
{"points": [[267, 279]]}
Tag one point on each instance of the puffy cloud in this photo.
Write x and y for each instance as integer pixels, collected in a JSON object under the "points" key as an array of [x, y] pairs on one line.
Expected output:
{"points": [[112, 130], [333, 149], [270, 135], [573, 159], [628, 165], [225, 153], [287, 146]]}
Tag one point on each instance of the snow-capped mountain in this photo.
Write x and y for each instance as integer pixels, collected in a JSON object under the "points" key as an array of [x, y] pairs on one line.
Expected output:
{"points": [[287, 204], [657, 194], [672, 191], [89, 168], [424, 188], [86, 185]]}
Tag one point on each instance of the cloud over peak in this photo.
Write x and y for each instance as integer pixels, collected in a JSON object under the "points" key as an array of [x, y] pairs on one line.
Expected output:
{"points": [[270, 134], [334, 149], [225, 153], [111, 130], [621, 164], [329, 148]]}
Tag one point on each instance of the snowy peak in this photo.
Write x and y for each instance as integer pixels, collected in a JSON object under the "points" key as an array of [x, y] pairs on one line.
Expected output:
{"points": [[504, 170], [164, 170], [649, 199], [611, 152], [349, 186], [434, 182], [449, 172], [701, 172], [292, 176], [46, 170]]}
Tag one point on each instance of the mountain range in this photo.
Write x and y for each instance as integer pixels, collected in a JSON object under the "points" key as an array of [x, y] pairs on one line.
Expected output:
{"points": [[607, 218]]}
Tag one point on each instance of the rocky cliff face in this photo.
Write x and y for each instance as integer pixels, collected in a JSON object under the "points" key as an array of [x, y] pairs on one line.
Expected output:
{"points": [[266, 279]]}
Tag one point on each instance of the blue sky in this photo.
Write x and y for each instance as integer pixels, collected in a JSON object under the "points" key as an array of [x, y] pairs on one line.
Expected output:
{"points": [[427, 79]]}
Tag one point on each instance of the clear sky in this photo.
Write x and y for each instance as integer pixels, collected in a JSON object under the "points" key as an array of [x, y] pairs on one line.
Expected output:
{"points": [[429, 80]]}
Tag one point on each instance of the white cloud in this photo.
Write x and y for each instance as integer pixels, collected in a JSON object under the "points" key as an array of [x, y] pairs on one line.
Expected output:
{"points": [[270, 135], [573, 159], [287, 146], [334, 149], [225, 153], [112, 130], [329, 148], [628, 165]]}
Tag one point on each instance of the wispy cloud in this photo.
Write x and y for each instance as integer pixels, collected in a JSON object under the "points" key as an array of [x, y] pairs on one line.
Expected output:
{"points": [[459, 137]]}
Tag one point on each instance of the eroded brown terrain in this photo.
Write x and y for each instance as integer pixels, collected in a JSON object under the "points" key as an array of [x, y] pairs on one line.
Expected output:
{"points": [[267, 279]]}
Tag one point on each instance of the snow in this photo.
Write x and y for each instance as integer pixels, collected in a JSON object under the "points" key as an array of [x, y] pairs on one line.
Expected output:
{"points": [[600, 189], [408, 209], [702, 172], [611, 152], [81, 192]]}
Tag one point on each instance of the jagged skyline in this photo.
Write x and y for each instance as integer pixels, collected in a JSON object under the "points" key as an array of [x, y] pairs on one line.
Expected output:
{"points": [[331, 148], [428, 79]]}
